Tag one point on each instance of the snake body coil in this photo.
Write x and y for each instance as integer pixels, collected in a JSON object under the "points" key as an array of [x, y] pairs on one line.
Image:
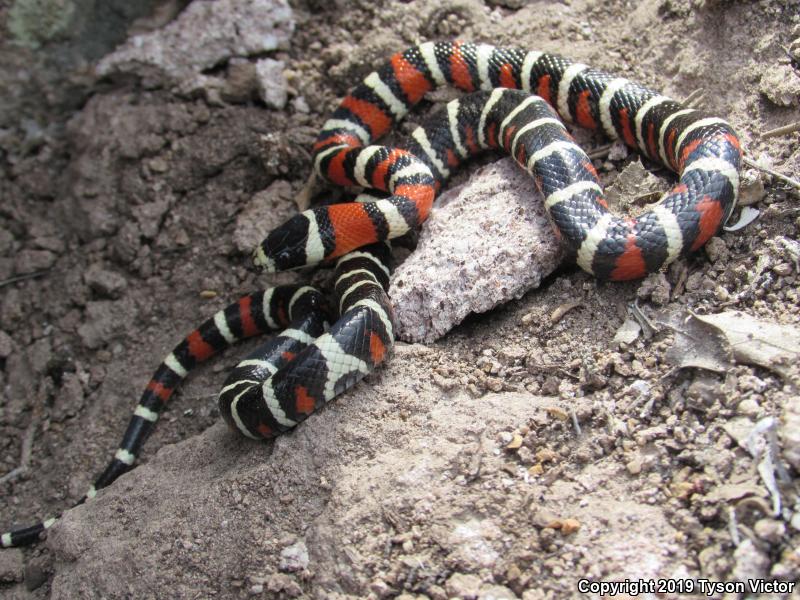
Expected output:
{"points": [[309, 362]]}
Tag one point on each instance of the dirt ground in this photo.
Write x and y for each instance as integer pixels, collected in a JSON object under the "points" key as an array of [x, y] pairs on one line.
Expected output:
{"points": [[521, 453]]}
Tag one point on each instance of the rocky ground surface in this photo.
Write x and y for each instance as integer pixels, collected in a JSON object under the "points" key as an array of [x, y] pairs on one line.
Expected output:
{"points": [[579, 431]]}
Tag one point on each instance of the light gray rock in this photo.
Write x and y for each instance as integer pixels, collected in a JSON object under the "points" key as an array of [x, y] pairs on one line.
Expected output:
{"points": [[225, 505], [485, 242], [205, 35], [271, 83]]}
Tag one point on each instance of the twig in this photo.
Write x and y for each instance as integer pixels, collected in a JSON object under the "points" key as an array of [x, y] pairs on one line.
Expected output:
{"points": [[695, 99], [573, 415], [788, 180], [600, 151], [25, 454], [23, 277], [786, 129], [733, 528]]}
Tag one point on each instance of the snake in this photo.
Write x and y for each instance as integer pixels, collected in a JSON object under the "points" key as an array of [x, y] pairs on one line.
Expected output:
{"points": [[517, 101], [306, 364]]}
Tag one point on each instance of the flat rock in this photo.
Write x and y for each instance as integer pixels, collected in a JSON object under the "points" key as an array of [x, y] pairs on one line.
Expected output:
{"points": [[217, 509], [206, 34], [486, 242]]}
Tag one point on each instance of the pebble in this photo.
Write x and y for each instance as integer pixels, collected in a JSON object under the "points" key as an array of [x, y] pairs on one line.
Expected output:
{"points": [[546, 455], [780, 85], [634, 466], [570, 526], [278, 582], [751, 188], [294, 558], [494, 384], [748, 408], [106, 283], [770, 530], [300, 105], [627, 332], [271, 83], [782, 269], [463, 586], [717, 250]]}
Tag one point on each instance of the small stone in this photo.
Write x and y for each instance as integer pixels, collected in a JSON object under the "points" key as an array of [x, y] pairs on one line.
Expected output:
{"points": [[525, 456], [544, 517], [105, 283], [570, 526], [627, 332], [546, 455], [716, 249], [271, 83], [515, 443], [494, 384], [436, 592], [748, 408], [380, 588], [101, 321], [463, 586], [655, 287], [294, 557], [279, 582], [782, 269], [204, 35], [751, 188], [770, 530], [300, 105], [694, 281], [634, 466], [158, 165], [780, 85]]}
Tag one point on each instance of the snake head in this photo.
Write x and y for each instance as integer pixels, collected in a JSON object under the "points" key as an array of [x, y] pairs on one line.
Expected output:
{"points": [[287, 247]]}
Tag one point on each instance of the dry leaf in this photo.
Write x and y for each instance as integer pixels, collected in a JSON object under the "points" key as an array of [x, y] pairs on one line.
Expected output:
{"points": [[697, 344], [771, 345]]}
